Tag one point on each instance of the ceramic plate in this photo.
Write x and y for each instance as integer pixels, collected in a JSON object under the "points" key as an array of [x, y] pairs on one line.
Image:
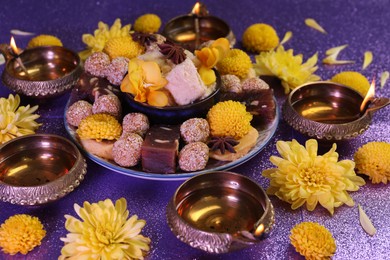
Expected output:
{"points": [[265, 135]]}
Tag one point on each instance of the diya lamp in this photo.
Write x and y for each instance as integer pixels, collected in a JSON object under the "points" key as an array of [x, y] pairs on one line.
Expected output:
{"points": [[40, 72], [330, 111], [220, 212], [197, 27]]}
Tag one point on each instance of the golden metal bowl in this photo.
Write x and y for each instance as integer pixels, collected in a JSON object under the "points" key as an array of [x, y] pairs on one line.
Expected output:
{"points": [[329, 111], [48, 71], [219, 212], [39, 168]]}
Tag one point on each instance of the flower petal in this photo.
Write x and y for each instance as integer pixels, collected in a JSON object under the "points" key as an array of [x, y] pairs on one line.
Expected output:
{"points": [[313, 24], [286, 37], [384, 77], [366, 222], [367, 59]]}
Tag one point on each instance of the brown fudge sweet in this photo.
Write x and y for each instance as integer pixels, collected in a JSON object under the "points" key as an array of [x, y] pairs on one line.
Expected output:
{"points": [[160, 148]]}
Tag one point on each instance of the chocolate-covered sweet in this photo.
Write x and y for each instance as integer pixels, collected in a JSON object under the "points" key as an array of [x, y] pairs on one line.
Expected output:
{"points": [[160, 148]]}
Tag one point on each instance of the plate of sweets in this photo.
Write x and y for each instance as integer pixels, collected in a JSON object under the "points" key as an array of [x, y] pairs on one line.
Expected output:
{"points": [[165, 113]]}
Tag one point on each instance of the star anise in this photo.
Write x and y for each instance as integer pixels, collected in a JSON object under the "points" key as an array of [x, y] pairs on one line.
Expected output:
{"points": [[173, 52], [144, 38], [222, 144]]}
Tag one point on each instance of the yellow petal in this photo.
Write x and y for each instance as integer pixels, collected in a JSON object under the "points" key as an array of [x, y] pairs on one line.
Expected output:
{"points": [[153, 74], [313, 24], [157, 98], [207, 75], [223, 45], [367, 59], [286, 37], [366, 222], [331, 61], [336, 50], [384, 78]]}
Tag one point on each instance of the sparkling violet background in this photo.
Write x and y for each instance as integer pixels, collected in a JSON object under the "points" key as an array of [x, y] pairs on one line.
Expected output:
{"points": [[363, 25]]}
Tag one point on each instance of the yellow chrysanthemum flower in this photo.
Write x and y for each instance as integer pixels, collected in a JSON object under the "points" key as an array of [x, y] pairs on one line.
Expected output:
{"points": [[104, 232], [260, 37], [44, 40], [147, 23], [373, 159], [16, 120], [313, 241], [354, 80], [236, 62], [99, 127], [287, 67], [102, 35], [123, 47], [303, 176], [20, 234], [229, 118]]}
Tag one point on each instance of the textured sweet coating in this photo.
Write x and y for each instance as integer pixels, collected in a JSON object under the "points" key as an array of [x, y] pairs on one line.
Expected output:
{"points": [[97, 63], [108, 104], [194, 156], [195, 130], [77, 112], [127, 150], [135, 123], [116, 70]]}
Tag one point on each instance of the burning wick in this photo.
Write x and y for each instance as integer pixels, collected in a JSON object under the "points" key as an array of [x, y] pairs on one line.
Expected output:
{"points": [[195, 12], [368, 98], [15, 52]]}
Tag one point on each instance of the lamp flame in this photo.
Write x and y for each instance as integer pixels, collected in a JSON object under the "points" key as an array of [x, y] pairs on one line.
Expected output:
{"points": [[369, 96], [259, 230], [196, 9], [13, 46]]}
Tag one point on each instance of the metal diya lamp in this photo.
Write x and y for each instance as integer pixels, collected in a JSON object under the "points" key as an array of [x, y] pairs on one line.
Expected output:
{"points": [[40, 72], [219, 212], [330, 111], [39, 168], [197, 27]]}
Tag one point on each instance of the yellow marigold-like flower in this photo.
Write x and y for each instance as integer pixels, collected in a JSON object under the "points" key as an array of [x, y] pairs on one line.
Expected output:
{"points": [[44, 40], [123, 47], [20, 234], [99, 127], [209, 57], [145, 82], [147, 23], [354, 80], [236, 62], [16, 120], [303, 176], [287, 67], [260, 37], [104, 232], [313, 241], [229, 118], [101, 35], [373, 159]]}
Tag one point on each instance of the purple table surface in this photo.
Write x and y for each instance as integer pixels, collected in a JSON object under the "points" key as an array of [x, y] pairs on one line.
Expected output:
{"points": [[363, 25]]}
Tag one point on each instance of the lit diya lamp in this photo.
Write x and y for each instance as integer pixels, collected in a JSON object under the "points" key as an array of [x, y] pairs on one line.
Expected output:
{"points": [[197, 27], [40, 72], [330, 111]]}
